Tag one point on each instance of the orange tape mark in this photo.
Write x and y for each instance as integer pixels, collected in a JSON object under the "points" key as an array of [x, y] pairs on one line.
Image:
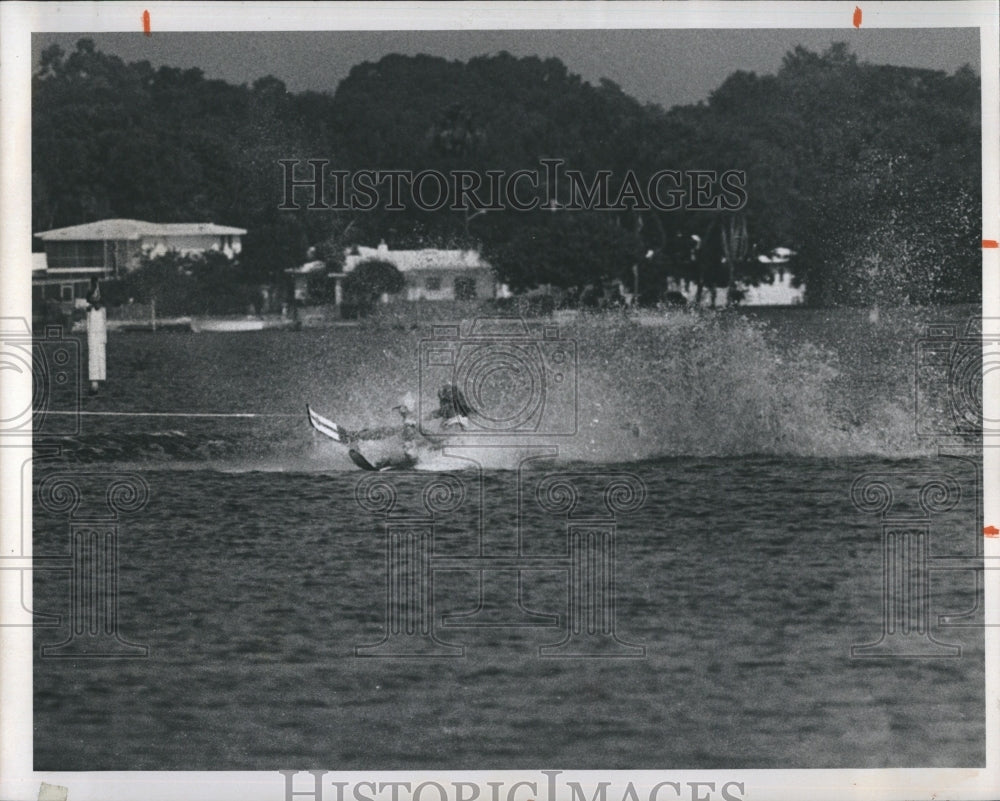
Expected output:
{"points": [[991, 243], [991, 531], [145, 23], [857, 16]]}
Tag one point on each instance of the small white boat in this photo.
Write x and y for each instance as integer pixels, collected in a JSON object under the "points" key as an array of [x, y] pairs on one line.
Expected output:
{"points": [[221, 324]]}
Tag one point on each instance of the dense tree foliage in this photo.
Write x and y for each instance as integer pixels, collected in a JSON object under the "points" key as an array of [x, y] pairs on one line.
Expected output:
{"points": [[206, 283], [571, 251], [871, 173], [369, 280], [124, 140]]}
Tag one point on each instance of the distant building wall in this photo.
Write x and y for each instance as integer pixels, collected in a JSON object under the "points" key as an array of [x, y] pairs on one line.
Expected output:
{"points": [[431, 273], [231, 245], [779, 293], [107, 256], [465, 284], [108, 248]]}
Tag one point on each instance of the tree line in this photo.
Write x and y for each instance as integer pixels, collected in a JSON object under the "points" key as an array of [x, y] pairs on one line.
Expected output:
{"points": [[870, 173]]}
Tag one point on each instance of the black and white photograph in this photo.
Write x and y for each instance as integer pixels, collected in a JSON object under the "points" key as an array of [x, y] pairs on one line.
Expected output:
{"points": [[500, 402]]}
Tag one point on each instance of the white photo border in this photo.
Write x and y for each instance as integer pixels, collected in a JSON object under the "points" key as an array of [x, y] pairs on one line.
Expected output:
{"points": [[17, 23]]}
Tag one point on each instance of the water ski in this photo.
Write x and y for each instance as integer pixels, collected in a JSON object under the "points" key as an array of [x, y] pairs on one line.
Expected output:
{"points": [[361, 461], [327, 427], [341, 435], [358, 458]]}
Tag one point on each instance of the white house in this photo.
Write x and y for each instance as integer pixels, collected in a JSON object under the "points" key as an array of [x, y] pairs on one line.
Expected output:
{"points": [[108, 248], [431, 273]]}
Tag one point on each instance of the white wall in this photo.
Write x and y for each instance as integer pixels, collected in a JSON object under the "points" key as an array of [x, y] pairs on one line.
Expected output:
{"points": [[191, 243], [780, 293]]}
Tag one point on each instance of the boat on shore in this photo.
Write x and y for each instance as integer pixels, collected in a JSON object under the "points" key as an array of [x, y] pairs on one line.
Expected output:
{"points": [[133, 325], [234, 325]]}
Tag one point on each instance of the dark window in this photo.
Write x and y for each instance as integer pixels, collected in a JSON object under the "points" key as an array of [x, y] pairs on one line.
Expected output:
{"points": [[118, 256], [66, 291], [465, 288], [62, 255], [433, 283]]}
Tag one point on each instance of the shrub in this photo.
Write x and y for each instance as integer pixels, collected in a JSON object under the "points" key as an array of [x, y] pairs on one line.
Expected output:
{"points": [[206, 283], [370, 280], [526, 305]]}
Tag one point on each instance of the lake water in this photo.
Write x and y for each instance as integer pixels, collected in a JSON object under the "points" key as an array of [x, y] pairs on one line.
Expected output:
{"points": [[680, 586]]}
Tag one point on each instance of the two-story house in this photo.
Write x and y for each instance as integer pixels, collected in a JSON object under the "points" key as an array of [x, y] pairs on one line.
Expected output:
{"points": [[110, 248]]}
